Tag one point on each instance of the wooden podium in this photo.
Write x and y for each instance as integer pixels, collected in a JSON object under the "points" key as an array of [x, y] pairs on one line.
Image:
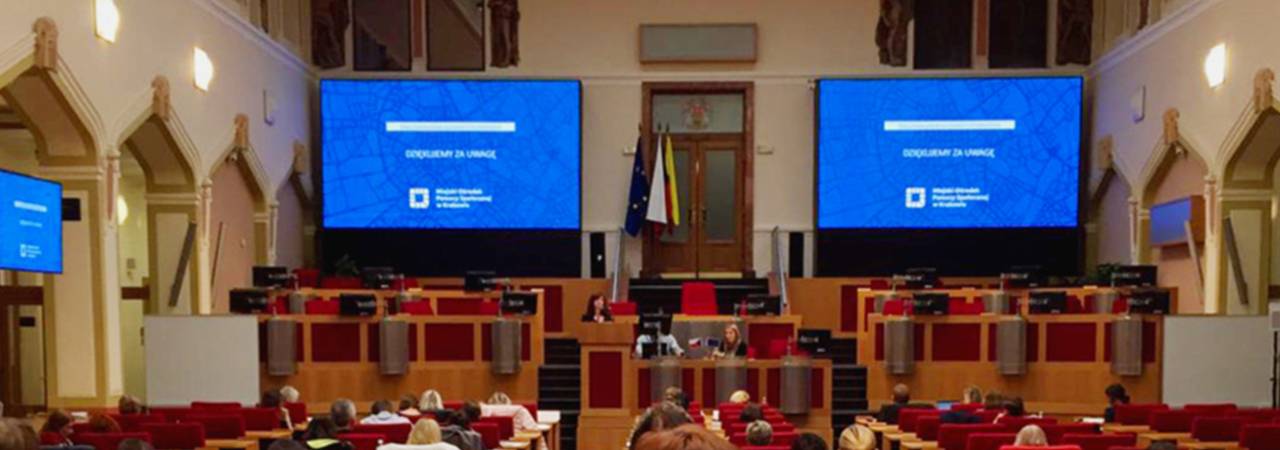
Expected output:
{"points": [[607, 417]]}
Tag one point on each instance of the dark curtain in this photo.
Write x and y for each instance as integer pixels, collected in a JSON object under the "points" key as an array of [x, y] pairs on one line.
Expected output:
{"points": [[1019, 33], [943, 34]]}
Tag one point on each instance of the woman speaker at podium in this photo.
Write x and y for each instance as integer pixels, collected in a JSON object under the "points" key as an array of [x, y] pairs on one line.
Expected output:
{"points": [[731, 346]]}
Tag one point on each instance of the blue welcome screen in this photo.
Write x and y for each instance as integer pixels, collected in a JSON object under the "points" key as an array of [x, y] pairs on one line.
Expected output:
{"points": [[30, 224], [948, 153], [451, 154]]}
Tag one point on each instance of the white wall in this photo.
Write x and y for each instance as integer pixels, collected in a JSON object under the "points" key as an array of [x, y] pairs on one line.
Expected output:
{"points": [[188, 359], [1196, 370]]}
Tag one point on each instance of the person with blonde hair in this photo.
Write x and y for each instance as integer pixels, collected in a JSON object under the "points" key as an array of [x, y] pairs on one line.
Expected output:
{"points": [[426, 435], [759, 433], [731, 346], [1031, 436], [857, 437], [972, 395], [290, 394], [739, 397], [498, 398], [430, 401]]}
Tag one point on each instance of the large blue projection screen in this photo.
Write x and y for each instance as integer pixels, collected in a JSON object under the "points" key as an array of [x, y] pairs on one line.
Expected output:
{"points": [[948, 153], [30, 224], [453, 154]]}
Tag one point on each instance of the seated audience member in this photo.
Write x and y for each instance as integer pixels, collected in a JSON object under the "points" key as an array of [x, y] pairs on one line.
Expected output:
{"points": [[56, 430], [759, 433], [659, 417], [381, 414], [322, 433], [731, 346], [102, 423], [1031, 436], [993, 401], [409, 406], [134, 444], [972, 395], [498, 398], [290, 394], [426, 435], [751, 413], [17, 435], [684, 437], [456, 430], [739, 397], [597, 310], [809, 441], [520, 416], [1013, 407], [431, 402], [901, 399], [284, 444], [1116, 395], [272, 398], [665, 339], [857, 437], [676, 395], [129, 405], [343, 413]]}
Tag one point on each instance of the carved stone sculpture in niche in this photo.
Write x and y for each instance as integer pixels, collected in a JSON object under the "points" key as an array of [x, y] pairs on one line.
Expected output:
{"points": [[46, 46], [1075, 32], [892, 31], [329, 20], [505, 18]]}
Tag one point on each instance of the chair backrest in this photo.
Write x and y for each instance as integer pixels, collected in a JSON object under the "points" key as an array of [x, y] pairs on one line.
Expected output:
{"points": [[107, 441], [506, 425], [172, 413], [216, 406], [990, 441], [532, 407], [783, 437], [1211, 408], [175, 436], [261, 419], [1260, 437], [394, 433], [1137, 414], [321, 307], [1051, 447], [927, 427], [1172, 421], [362, 441], [1216, 429], [418, 308], [908, 417], [307, 277], [454, 405], [297, 412], [488, 433], [341, 283], [1055, 432], [698, 298], [623, 308], [134, 422], [1099, 441], [1016, 423], [966, 407], [987, 415], [225, 426], [953, 436], [79, 428]]}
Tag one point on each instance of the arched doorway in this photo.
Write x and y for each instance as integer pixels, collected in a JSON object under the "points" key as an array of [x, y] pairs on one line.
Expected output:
{"points": [[1109, 236], [296, 220]]}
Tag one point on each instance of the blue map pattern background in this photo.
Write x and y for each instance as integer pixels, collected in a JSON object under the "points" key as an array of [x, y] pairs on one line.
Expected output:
{"points": [[47, 238], [535, 180], [1033, 181]]}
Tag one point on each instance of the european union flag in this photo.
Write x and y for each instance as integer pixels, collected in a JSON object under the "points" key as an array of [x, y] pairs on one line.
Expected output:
{"points": [[638, 204]]}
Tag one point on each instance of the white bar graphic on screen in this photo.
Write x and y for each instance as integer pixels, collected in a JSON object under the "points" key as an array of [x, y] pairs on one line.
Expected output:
{"points": [[950, 125], [451, 127]]}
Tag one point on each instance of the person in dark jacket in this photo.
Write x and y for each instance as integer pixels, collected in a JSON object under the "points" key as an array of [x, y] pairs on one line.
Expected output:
{"points": [[456, 429], [901, 400], [597, 310], [1116, 395]]}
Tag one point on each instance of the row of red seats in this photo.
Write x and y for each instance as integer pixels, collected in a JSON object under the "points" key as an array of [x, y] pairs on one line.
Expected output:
{"points": [[784, 432], [448, 307], [1142, 414], [959, 306]]}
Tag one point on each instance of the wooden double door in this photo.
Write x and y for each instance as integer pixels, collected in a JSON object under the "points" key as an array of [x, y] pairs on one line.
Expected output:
{"points": [[712, 236]]}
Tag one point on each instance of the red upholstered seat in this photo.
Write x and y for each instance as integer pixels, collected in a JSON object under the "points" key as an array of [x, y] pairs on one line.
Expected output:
{"points": [[175, 436], [261, 419], [307, 277], [107, 441], [1016, 423], [51, 439], [896, 307], [1051, 447], [454, 405], [879, 284], [698, 298], [133, 422], [927, 427], [1216, 429], [216, 406], [1260, 437], [960, 306], [1137, 414], [955, 436], [1172, 421], [987, 415], [297, 412], [393, 433], [404, 283], [506, 425], [172, 413], [1075, 305], [908, 417], [778, 348], [1055, 432], [1266, 414], [990, 441], [1216, 409], [966, 407], [488, 433], [741, 427], [340, 283], [488, 308], [81, 428], [362, 441], [532, 407], [623, 308], [225, 426], [418, 308], [1099, 441], [321, 307], [783, 437]]}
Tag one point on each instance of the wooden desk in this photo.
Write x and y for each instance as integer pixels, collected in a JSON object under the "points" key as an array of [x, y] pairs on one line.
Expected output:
{"points": [[1145, 439], [239, 444], [269, 435]]}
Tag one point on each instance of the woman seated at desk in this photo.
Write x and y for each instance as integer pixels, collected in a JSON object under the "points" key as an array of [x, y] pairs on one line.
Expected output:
{"points": [[731, 346], [597, 310]]}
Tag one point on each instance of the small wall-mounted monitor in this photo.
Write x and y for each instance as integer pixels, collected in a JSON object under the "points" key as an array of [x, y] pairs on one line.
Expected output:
{"points": [[270, 276], [763, 305], [30, 223], [1149, 301], [519, 303], [920, 278], [1024, 277], [357, 304], [478, 281], [1047, 302], [249, 301], [377, 277], [1144, 275], [815, 341], [931, 304]]}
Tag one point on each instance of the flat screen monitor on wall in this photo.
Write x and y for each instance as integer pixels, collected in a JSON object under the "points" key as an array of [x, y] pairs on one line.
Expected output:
{"points": [[436, 177], [30, 223], [984, 162]]}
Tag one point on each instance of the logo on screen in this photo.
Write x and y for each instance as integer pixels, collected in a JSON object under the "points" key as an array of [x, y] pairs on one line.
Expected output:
{"points": [[915, 197], [419, 198]]}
